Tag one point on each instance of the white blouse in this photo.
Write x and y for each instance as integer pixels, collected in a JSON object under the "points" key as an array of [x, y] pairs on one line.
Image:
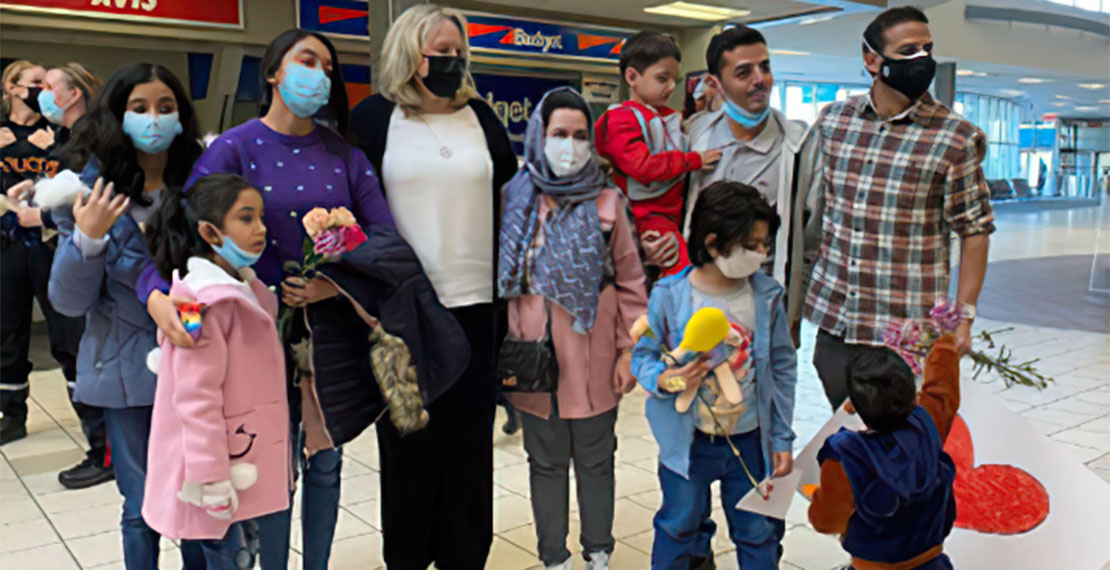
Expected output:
{"points": [[438, 178]]}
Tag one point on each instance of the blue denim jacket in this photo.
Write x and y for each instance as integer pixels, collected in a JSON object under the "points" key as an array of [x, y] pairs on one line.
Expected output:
{"points": [[111, 359], [776, 367]]}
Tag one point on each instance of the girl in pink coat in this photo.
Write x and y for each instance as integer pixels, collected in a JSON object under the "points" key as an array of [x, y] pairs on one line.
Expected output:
{"points": [[219, 447]]}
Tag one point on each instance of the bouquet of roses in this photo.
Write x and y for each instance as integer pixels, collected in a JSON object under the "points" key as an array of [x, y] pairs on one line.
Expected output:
{"points": [[913, 339], [330, 235]]}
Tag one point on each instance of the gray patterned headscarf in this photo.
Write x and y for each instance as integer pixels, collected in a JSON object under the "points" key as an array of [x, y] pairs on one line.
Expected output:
{"points": [[568, 268]]}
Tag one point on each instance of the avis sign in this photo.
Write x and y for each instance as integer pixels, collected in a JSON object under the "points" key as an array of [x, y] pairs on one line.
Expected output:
{"points": [[209, 13], [496, 34]]}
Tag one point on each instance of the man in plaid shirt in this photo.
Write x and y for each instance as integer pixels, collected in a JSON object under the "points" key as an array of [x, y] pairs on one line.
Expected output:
{"points": [[901, 173]]}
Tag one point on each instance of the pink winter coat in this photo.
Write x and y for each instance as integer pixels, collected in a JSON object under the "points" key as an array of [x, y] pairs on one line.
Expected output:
{"points": [[587, 362], [219, 403]]}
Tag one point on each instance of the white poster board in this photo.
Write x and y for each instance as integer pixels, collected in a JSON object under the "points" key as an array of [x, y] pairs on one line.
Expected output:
{"points": [[1076, 534]]}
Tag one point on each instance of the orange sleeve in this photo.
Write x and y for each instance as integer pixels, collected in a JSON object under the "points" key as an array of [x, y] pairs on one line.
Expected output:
{"points": [[940, 394], [833, 503]]}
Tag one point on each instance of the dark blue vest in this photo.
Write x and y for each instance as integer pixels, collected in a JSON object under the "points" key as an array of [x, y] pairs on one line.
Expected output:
{"points": [[902, 484]]}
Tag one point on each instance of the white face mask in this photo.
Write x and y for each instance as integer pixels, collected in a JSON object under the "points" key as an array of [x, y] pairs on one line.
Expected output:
{"points": [[567, 155], [741, 263]]}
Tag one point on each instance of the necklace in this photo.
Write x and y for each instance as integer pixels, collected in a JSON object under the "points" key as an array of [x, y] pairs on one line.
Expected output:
{"points": [[444, 150]]}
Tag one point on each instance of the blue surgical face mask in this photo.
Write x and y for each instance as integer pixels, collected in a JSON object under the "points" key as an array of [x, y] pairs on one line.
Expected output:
{"points": [[234, 255], [746, 119], [49, 107], [304, 89], [151, 133]]}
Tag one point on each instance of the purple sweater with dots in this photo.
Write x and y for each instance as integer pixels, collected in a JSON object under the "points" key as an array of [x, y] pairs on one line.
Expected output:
{"points": [[295, 174]]}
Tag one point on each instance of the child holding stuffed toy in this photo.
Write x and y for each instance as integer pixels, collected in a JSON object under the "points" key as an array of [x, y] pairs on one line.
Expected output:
{"points": [[219, 439], [908, 507], [737, 437]]}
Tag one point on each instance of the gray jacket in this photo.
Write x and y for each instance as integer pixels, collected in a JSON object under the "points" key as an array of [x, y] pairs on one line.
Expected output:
{"points": [[799, 200]]}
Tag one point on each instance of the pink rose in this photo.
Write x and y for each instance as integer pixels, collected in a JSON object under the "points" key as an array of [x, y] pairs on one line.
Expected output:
{"points": [[341, 216], [315, 221]]}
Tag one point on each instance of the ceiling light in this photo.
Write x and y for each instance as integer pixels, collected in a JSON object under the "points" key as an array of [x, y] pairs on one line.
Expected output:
{"points": [[1104, 101], [1058, 96], [1058, 104], [1033, 80], [1092, 85], [814, 20], [965, 72], [1086, 107], [697, 11], [789, 52], [1012, 92]]}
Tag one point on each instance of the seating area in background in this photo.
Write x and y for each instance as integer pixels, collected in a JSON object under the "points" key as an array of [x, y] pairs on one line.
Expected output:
{"points": [[1000, 189], [1021, 188]]}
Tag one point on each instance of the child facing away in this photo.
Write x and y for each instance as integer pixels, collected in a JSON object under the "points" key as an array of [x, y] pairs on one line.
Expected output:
{"points": [[219, 439], [731, 228], [643, 140], [888, 490]]}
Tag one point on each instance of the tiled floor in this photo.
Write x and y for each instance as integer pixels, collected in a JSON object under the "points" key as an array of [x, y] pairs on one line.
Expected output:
{"points": [[47, 527]]}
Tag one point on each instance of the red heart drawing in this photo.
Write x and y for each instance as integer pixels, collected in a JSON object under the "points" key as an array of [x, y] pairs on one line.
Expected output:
{"points": [[997, 499]]}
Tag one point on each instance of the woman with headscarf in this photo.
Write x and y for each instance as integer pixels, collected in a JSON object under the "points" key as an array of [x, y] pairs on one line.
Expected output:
{"points": [[569, 267]]}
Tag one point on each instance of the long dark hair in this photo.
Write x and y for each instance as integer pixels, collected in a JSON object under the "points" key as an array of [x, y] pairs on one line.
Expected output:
{"points": [[336, 111], [100, 134], [173, 238]]}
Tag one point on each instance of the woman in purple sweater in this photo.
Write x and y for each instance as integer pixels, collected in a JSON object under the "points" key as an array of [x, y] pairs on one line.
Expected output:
{"points": [[298, 164]]}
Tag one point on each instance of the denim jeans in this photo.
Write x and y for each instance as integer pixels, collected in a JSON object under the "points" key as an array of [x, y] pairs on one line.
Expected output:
{"points": [[319, 510], [233, 552], [128, 430], [682, 525]]}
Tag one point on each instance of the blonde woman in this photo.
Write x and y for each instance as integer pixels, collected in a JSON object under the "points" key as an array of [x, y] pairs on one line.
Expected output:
{"points": [[443, 156], [26, 141], [66, 93]]}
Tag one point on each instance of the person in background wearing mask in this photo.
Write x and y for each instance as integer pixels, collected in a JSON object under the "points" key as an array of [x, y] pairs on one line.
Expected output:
{"points": [[763, 149], [74, 87], [139, 138], [717, 439], [571, 271], [444, 157], [916, 165], [297, 156], [26, 142]]}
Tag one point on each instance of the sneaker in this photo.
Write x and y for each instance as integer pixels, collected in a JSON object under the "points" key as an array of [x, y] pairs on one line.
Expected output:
{"points": [[702, 563], [88, 473], [567, 564], [597, 561], [12, 429]]}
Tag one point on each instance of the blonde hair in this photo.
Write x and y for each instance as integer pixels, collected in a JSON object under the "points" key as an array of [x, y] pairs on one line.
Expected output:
{"points": [[12, 73], [402, 55], [81, 78]]}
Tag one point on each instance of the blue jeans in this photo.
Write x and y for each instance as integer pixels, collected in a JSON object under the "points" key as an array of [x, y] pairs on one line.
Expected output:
{"points": [[128, 430], [319, 510], [230, 553], [683, 526]]}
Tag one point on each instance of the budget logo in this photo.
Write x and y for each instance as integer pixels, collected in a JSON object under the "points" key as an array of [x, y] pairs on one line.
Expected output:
{"points": [[537, 40]]}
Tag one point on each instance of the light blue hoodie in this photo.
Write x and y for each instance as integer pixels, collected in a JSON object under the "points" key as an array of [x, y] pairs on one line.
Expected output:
{"points": [[776, 367]]}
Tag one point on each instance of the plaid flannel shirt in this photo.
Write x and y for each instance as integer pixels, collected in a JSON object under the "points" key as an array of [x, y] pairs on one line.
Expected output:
{"points": [[894, 190]]}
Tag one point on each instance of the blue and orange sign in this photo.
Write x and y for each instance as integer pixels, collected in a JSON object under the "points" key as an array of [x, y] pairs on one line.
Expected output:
{"points": [[347, 18], [519, 36]]}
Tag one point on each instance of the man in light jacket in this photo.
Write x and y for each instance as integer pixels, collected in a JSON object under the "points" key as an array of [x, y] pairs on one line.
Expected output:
{"points": [[765, 150]]}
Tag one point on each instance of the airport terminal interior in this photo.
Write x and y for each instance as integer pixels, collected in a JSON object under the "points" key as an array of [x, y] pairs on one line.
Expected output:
{"points": [[1032, 75]]}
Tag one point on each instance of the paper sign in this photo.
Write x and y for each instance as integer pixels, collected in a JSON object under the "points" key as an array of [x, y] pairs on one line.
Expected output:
{"points": [[1073, 536], [806, 461], [778, 502]]}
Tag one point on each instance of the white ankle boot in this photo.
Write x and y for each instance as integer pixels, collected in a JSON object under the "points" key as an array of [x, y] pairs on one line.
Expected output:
{"points": [[567, 564], [598, 561]]}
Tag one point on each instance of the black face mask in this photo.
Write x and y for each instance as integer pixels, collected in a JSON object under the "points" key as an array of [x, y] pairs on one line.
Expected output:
{"points": [[445, 74], [911, 76], [32, 98]]}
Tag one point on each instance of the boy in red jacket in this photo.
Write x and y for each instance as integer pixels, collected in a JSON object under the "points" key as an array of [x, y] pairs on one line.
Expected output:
{"points": [[644, 142]]}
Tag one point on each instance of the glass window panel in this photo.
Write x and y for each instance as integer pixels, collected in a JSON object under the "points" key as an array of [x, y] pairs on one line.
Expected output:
{"points": [[776, 98]]}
